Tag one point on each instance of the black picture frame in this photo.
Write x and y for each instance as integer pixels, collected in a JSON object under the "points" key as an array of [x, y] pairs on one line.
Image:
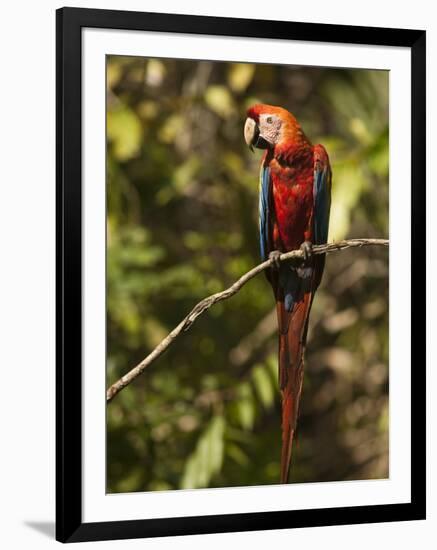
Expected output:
{"points": [[69, 525]]}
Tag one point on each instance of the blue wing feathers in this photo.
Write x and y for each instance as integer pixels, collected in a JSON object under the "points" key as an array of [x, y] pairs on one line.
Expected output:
{"points": [[288, 279], [264, 212], [322, 203]]}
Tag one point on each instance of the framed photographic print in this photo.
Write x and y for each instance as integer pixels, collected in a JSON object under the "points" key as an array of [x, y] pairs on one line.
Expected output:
{"points": [[240, 251]]}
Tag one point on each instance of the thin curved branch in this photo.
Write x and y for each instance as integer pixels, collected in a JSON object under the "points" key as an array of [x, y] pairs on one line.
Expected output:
{"points": [[206, 303]]}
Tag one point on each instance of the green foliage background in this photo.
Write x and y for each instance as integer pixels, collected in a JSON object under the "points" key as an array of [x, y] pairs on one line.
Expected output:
{"points": [[182, 223]]}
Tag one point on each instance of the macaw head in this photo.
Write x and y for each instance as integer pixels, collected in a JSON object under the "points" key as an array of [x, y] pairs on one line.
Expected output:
{"points": [[268, 126]]}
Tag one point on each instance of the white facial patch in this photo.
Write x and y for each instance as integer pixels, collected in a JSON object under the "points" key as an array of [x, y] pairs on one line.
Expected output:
{"points": [[270, 127]]}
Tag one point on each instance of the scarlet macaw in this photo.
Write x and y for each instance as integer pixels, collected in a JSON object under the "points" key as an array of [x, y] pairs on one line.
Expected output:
{"points": [[294, 206]]}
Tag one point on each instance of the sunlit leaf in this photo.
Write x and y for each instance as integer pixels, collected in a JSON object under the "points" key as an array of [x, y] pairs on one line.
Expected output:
{"points": [[240, 75], [155, 72], [220, 100], [171, 128], [348, 185], [124, 132], [186, 172], [360, 130], [245, 406]]}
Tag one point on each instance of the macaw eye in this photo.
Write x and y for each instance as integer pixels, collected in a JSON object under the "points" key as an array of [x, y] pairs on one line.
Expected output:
{"points": [[269, 120]]}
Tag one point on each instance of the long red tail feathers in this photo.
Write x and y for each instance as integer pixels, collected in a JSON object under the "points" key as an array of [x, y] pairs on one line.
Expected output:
{"points": [[292, 336]]}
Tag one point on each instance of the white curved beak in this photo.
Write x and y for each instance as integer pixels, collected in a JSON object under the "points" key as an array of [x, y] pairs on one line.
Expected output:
{"points": [[249, 132]]}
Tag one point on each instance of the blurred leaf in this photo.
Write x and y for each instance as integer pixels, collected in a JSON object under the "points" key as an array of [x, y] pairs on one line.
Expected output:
{"points": [[378, 154], [155, 72], [220, 100], [245, 406], [206, 460], [124, 132], [240, 75], [348, 185], [171, 128], [113, 74], [263, 385], [185, 173], [235, 452], [360, 131]]}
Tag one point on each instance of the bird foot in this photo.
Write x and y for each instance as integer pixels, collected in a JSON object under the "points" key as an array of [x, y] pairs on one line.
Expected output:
{"points": [[275, 255], [307, 249]]}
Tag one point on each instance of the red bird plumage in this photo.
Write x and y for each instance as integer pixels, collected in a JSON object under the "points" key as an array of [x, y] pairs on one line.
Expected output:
{"points": [[295, 184]]}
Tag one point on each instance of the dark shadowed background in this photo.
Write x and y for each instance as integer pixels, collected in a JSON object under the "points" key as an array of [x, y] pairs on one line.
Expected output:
{"points": [[182, 223]]}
